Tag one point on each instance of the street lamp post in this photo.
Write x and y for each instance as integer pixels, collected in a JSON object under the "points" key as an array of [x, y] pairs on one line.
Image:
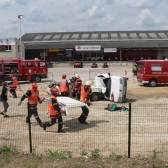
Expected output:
{"points": [[20, 17]]}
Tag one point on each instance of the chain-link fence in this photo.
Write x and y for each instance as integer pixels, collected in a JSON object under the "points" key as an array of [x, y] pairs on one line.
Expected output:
{"points": [[139, 130]]}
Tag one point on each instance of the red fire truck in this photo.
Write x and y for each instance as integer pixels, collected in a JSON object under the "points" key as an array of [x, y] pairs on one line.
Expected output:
{"points": [[152, 72], [25, 70]]}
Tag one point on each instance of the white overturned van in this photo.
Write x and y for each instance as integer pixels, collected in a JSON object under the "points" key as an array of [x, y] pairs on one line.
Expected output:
{"points": [[110, 87]]}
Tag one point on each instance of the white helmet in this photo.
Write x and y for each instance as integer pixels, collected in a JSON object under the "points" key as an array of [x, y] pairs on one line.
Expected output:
{"points": [[77, 76], [88, 83]]}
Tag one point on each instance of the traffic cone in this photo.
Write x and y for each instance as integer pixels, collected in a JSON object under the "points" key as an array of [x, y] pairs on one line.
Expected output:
{"points": [[112, 97], [111, 101]]}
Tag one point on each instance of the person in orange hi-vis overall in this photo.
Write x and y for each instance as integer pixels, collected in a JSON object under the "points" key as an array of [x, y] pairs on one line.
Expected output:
{"points": [[54, 112], [64, 86], [13, 85], [33, 98], [85, 93], [85, 97]]}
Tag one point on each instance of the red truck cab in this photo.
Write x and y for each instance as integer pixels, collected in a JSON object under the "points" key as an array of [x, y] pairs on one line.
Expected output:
{"points": [[24, 70]]}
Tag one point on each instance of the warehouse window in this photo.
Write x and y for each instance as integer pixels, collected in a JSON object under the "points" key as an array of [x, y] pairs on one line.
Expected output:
{"points": [[8, 48]]}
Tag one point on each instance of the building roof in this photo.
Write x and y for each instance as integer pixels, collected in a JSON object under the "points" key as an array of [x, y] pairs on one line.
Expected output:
{"points": [[118, 39]]}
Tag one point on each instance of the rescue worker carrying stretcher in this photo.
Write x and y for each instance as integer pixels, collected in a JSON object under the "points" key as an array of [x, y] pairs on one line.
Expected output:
{"points": [[33, 99], [85, 92], [54, 112], [64, 86], [13, 85], [77, 87]]}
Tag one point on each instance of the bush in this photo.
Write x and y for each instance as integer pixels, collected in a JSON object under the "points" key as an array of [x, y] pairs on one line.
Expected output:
{"points": [[8, 149]]}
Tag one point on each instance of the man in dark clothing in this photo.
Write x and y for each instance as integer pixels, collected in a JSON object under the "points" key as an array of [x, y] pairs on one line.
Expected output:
{"points": [[33, 99], [4, 99], [77, 87], [71, 83], [54, 112]]}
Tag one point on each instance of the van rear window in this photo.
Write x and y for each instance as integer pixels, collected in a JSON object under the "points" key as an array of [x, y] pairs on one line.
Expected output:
{"points": [[156, 67]]}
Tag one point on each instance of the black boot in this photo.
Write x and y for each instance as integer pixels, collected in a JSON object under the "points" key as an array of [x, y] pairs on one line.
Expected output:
{"points": [[82, 120], [39, 121], [44, 126], [60, 130], [14, 95], [83, 116]]}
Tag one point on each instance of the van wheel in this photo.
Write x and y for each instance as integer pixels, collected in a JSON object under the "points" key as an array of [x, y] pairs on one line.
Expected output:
{"points": [[37, 79], [95, 96], [152, 83]]}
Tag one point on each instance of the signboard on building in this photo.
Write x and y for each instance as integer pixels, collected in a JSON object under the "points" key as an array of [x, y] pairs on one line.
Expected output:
{"points": [[55, 50], [87, 47], [108, 50]]}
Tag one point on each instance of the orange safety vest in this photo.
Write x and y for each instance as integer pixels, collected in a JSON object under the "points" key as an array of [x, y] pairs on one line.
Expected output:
{"points": [[63, 86], [14, 83], [84, 93], [53, 113], [76, 84], [33, 99]]}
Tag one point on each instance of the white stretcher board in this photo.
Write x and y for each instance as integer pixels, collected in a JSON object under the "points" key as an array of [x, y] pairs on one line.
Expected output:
{"points": [[67, 102]]}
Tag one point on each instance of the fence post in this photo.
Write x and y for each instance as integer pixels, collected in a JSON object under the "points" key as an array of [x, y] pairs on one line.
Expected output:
{"points": [[129, 131], [29, 124]]}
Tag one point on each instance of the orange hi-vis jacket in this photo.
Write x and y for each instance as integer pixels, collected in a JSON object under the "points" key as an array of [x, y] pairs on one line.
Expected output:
{"points": [[14, 83], [53, 113], [33, 99], [76, 86], [84, 94], [63, 86]]}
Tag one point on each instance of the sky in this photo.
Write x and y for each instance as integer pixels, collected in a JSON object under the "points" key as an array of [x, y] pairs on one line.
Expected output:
{"points": [[81, 15]]}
